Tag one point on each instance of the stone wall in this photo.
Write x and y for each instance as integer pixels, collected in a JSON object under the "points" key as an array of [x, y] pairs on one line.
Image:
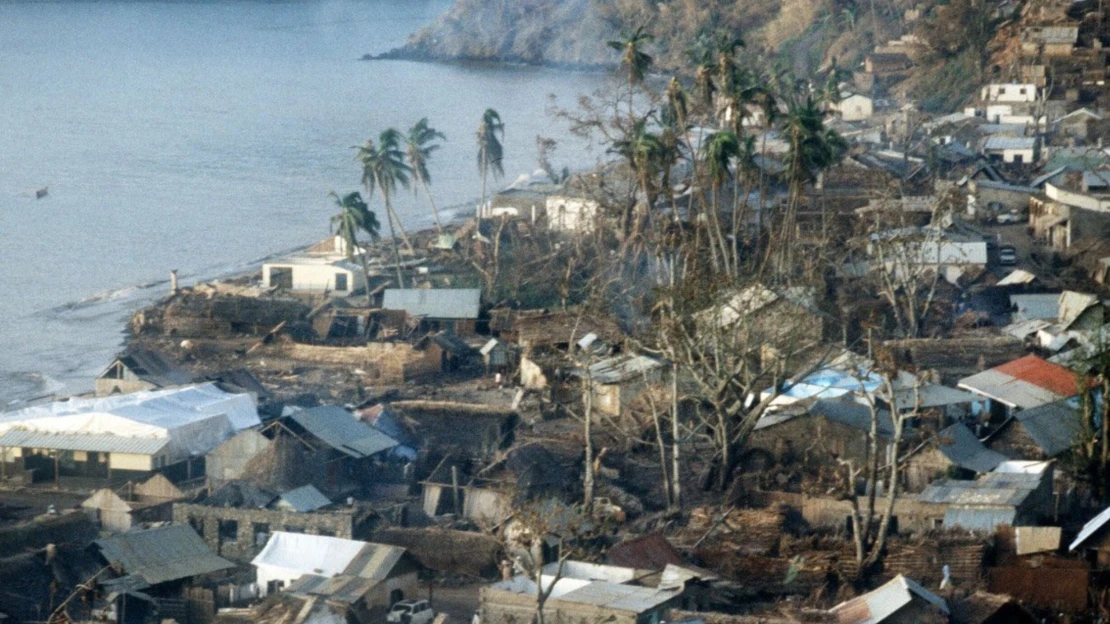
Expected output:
{"points": [[252, 527]]}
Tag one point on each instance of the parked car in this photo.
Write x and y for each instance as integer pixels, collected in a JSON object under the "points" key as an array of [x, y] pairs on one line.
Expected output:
{"points": [[411, 612], [1010, 217], [1007, 255]]}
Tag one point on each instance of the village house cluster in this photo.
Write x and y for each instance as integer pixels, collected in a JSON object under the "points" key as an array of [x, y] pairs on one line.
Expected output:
{"points": [[350, 437]]}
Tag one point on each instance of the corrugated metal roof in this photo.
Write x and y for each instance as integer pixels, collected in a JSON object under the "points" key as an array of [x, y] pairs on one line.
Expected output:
{"points": [[152, 366], [441, 303], [1072, 304], [342, 588], [993, 489], [160, 555], [979, 519], [374, 561], [1055, 427], [1027, 382], [303, 499], [342, 431], [880, 604], [89, 442], [618, 597], [623, 368], [1004, 186], [1043, 374], [1009, 143], [1039, 306], [1018, 276], [962, 448], [1092, 527]]}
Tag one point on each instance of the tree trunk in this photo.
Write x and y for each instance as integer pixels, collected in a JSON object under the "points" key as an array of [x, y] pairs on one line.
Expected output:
{"points": [[676, 481], [432, 203], [588, 478]]}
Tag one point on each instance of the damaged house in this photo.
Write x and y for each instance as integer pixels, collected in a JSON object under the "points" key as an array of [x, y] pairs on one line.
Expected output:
{"points": [[573, 599], [125, 436], [452, 310], [152, 570], [362, 576], [133, 505], [617, 381], [237, 520], [992, 500], [139, 369]]}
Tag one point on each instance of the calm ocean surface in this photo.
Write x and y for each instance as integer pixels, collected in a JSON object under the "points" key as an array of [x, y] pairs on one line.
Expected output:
{"points": [[203, 137]]}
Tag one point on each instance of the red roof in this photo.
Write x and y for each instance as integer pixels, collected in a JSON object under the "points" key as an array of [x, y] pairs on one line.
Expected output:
{"points": [[1043, 374]]}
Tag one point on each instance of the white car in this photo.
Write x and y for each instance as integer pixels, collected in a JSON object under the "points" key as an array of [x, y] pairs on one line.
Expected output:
{"points": [[1007, 218], [411, 612]]}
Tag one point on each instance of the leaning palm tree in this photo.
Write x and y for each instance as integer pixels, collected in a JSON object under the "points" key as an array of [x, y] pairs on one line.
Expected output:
{"points": [[383, 169], [354, 216], [418, 149], [491, 131], [634, 59]]}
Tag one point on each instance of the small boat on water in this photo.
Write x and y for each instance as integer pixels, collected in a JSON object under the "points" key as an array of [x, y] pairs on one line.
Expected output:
{"points": [[42, 192]]}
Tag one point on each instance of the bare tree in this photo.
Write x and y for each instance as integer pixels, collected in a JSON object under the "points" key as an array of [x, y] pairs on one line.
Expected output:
{"points": [[879, 468]]}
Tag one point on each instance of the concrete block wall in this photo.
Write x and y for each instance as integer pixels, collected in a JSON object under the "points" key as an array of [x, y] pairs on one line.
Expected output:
{"points": [[245, 546]]}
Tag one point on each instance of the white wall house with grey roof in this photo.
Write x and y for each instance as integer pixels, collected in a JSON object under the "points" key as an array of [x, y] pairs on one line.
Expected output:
{"points": [[129, 433], [1017, 150], [314, 275]]}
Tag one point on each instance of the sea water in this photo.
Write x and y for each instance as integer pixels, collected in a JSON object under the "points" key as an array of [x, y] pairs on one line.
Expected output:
{"points": [[204, 136]]}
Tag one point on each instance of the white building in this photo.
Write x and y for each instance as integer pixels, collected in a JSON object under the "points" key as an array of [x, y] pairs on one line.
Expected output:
{"points": [[1009, 92], [856, 107], [315, 275], [299, 563], [572, 214], [1020, 150], [137, 432]]}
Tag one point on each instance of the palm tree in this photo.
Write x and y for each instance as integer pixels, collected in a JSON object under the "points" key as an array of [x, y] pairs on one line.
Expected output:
{"points": [[354, 216], [633, 58], [644, 152], [491, 131], [418, 149], [383, 169], [720, 149], [812, 149]]}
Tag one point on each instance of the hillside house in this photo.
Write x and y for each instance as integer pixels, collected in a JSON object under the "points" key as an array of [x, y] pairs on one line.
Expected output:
{"points": [[815, 432], [992, 500], [954, 450], [1024, 383], [855, 107], [616, 382], [1041, 432], [139, 369], [1049, 40], [1016, 150], [886, 64]]}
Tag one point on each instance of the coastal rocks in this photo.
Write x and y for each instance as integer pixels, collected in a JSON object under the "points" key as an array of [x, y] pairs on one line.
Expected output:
{"points": [[569, 32]]}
